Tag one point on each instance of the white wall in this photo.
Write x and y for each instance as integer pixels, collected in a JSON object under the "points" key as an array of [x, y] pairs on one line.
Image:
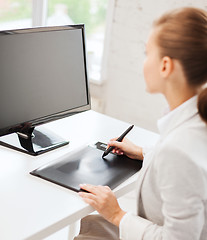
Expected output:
{"points": [[122, 94]]}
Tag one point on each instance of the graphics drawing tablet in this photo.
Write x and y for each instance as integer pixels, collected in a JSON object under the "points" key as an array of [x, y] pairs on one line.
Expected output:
{"points": [[87, 166]]}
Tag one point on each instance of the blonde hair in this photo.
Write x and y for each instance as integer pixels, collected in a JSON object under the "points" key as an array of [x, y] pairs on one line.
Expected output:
{"points": [[182, 35]]}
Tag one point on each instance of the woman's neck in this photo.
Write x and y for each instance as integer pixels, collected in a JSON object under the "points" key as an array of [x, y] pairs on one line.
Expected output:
{"points": [[177, 89], [178, 96]]}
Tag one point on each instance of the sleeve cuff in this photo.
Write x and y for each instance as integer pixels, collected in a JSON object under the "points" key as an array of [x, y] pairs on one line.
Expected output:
{"points": [[146, 149], [132, 227]]}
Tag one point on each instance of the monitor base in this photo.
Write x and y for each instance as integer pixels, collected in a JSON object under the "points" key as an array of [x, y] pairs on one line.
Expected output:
{"points": [[38, 141]]}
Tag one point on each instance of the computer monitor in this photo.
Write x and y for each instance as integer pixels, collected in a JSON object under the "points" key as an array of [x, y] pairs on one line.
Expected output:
{"points": [[43, 77]]}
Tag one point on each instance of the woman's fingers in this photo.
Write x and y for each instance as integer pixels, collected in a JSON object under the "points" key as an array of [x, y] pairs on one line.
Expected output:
{"points": [[90, 188], [104, 201], [88, 198], [118, 147], [115, 144], [96, 194]]}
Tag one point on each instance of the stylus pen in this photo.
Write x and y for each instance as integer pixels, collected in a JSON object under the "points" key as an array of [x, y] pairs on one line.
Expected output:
{"points": [[119, 139]]}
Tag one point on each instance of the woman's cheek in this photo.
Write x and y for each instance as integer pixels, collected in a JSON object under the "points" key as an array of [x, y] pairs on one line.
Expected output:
{"points": [[146, 73]]}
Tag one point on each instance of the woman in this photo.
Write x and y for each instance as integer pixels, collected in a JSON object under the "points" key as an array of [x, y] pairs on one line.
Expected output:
{"points": [[172, 184]]}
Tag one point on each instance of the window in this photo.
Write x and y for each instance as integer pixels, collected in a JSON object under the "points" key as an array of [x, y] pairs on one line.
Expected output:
{"points": [[27, 13], [15, 14], [93, 14]]}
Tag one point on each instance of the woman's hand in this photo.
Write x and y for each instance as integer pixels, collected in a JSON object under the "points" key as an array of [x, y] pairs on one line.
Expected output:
{"points": [[104, 201], [126, 147]]}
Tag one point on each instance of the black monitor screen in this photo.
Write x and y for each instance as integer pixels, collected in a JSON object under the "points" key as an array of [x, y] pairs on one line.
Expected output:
{"points": [[42, 75]]}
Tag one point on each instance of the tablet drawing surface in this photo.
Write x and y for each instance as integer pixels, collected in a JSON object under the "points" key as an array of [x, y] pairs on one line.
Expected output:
{"points": [[88, 166]]}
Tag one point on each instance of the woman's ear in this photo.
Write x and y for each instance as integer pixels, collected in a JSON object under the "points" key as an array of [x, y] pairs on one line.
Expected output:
{"points": [[166, 67]]}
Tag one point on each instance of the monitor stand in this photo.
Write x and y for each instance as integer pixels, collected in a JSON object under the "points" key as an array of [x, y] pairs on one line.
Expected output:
{"points": [[36, 141]]}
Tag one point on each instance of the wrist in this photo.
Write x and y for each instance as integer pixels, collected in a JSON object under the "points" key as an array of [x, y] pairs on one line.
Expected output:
{"points": [[117, 218]]}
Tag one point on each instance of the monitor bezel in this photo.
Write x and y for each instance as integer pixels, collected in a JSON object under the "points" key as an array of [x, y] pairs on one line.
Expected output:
{"points": [[59, 115]]}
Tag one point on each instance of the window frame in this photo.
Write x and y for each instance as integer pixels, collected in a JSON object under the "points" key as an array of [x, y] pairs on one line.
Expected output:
{"points": [[39, 12]]}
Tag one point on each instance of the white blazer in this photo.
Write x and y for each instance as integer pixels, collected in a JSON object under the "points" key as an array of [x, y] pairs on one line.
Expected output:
{"points": [[172, 185]]}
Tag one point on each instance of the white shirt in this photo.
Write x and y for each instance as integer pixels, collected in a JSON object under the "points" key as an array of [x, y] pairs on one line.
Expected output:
{"points": [[172, 184]]}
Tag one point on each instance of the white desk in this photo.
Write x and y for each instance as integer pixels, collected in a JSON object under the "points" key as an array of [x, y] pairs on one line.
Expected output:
{"points": [[32, 208]]}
